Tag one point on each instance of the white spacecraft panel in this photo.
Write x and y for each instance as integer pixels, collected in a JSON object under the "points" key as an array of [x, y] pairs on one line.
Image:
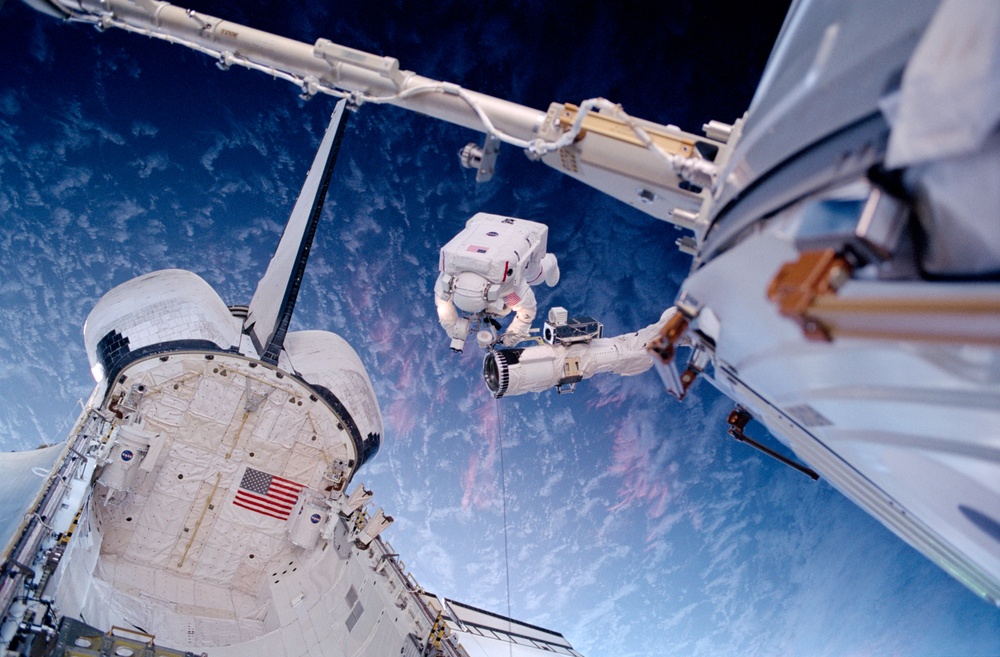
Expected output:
{"points": [[485, 634], [194, 539], [950, 96], [161, 310], [24, 474], [326, 359], [879, 419], [832, 63], [481, 646], [944, 120]]}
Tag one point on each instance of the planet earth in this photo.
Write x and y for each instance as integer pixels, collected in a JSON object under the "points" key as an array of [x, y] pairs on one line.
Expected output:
{"points": [[623, 519]]}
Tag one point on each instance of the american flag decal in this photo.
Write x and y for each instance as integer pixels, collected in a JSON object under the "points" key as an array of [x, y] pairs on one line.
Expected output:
{"points": [[267, 494], [477, 249], [511, 299]]}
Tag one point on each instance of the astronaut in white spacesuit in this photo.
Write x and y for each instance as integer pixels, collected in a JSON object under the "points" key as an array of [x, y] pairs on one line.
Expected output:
{"points": [[486, 271]]}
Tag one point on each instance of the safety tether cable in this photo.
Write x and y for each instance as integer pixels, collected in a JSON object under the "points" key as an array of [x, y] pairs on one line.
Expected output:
{"points": [[503, 490]]}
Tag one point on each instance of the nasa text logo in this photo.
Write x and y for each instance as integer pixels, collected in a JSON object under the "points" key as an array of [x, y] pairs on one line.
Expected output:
{"points": [[315, 518], [127, 455]]}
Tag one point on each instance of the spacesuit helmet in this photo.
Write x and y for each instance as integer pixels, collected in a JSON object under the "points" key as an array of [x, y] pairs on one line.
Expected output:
{"points": [[471, 292]]}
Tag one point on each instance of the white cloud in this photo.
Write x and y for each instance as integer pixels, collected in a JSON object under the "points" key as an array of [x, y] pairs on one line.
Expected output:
{"points": [[9, 104], [142, 128], [150, 164]]}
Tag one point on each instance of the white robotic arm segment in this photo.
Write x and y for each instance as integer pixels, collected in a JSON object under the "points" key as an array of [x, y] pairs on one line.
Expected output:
{"points": [[540, 367]]}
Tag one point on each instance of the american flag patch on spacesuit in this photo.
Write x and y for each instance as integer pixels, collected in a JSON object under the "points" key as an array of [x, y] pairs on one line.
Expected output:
{"points": [[511, 299], [477, 249]]}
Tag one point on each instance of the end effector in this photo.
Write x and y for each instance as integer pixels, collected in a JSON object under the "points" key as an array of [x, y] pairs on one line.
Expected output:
{"points": [[487, 271]]}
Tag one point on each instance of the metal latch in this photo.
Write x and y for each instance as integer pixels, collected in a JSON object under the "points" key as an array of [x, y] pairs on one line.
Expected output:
{"points": [[664, 347]]}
